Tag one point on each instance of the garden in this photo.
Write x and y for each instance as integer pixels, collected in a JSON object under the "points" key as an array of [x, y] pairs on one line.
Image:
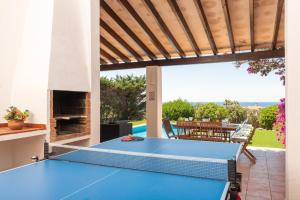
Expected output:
{"points": [[266, 135], [129, 103]]}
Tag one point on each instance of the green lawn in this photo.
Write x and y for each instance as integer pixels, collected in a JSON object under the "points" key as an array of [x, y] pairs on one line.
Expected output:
{"points": [[135, 123], [265, 138]]}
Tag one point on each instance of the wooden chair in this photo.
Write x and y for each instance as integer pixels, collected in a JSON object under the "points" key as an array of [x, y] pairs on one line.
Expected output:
{"points": [[168, 128], [249, 155], [245, 143], [185, 127]]}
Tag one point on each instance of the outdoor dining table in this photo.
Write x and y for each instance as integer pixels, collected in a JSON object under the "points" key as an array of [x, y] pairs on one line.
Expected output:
{"points": [[197, 128], [218, 132], [200, 124]]}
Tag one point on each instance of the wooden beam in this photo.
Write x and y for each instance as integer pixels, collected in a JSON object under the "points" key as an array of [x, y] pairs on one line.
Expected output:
{"points": [[108, 29], [277, 22], [164, 28], [116, 51], [146, 29], [251, 13], [206, 26], [129, 32], [228, 24], [177, 12], [108, 56], [198, 60], [102, 61]]}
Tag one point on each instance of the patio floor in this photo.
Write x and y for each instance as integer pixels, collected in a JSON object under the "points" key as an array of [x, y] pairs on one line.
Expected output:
{"points": [[264, 180]]}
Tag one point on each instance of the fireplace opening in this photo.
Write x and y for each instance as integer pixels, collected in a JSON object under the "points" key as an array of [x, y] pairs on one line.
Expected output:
{"points": [[70, 126], [68, 104], [70, 114]]}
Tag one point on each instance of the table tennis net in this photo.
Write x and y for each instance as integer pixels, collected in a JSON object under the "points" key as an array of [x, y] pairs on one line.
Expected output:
{"points": [[170, 164]]}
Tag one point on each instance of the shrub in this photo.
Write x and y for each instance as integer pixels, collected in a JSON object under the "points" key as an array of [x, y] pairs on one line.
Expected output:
{"points": [[267, 117], [176, 109], [252, 116], [236, 113], [212, 111]]}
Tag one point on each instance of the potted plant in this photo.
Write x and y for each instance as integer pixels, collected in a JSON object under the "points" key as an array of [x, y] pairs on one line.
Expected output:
{"points": [[15, 118]]}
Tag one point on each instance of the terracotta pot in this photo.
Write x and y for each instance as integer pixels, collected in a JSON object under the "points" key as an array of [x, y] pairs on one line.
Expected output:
{"points": [[15, 124]]}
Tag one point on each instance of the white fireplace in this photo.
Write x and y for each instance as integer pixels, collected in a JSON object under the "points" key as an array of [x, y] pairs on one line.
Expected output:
{"points": [[49, 46]]}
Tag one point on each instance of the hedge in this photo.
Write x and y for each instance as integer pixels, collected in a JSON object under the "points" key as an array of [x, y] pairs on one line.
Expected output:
{"points": [[267, 117], [176, 109]]}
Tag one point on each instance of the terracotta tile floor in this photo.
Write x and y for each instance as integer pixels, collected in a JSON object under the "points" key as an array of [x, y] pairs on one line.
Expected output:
{"points": [[264, 180]]}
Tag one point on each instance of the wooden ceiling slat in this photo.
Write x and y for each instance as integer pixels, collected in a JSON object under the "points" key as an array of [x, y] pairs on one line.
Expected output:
{"points": [[108, 56], [251, 15], [106, 27], [177, 12], [102, 61], [146, 29], [114, 49], [153, 28], [206, 26], [277, 22], [123, 25], [164, 28], [198, 60], [228, 24]]}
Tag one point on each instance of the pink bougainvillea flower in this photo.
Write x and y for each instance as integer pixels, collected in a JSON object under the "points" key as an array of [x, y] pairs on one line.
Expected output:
{"points": [[280, 122], [250, 70]]}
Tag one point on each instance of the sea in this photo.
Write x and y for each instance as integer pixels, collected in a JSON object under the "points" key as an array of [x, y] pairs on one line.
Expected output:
{"points": [[245, 104]]}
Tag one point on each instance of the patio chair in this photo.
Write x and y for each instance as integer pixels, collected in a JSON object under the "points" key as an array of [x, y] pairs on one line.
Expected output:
{"points": [[247, 153], [245, 141], [168, 128], [185, 127]]}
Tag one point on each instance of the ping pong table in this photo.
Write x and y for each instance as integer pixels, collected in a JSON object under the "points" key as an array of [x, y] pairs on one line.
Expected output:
{"points": [[156, 169]]}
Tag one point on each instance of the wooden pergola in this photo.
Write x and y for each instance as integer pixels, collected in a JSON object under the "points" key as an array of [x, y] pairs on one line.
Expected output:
{"points": [[140, 33]]}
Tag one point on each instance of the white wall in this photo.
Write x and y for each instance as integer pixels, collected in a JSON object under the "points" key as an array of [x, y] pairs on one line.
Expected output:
{"points": [[293, 100], [6, 160], [25, 45], [12, 21], [19, 152], [30, 81]]}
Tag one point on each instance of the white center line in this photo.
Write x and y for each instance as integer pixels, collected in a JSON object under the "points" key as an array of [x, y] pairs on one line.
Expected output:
{"points": [[89, 185]]}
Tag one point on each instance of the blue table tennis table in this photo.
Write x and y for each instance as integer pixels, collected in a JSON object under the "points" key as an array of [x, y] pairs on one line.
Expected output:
{"points": [[61, 179]]}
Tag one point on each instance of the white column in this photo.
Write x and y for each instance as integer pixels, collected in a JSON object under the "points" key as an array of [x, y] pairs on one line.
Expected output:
{"points": [[154, 101], [95, 73], [292, 100]]}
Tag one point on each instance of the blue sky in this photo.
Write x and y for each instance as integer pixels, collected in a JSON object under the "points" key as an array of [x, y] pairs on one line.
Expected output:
{"points": [[213, 82]]}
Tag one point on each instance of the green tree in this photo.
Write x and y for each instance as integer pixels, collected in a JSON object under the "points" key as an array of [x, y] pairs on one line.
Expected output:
{"points": [[267, 117], [236, 113], [132, 93], [108, 105], [176, 109], [123, 97], [212, 111], [252, 116]]}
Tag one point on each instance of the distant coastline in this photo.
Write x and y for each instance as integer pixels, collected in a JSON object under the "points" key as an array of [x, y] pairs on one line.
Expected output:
{"points": [[246, 104]]}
